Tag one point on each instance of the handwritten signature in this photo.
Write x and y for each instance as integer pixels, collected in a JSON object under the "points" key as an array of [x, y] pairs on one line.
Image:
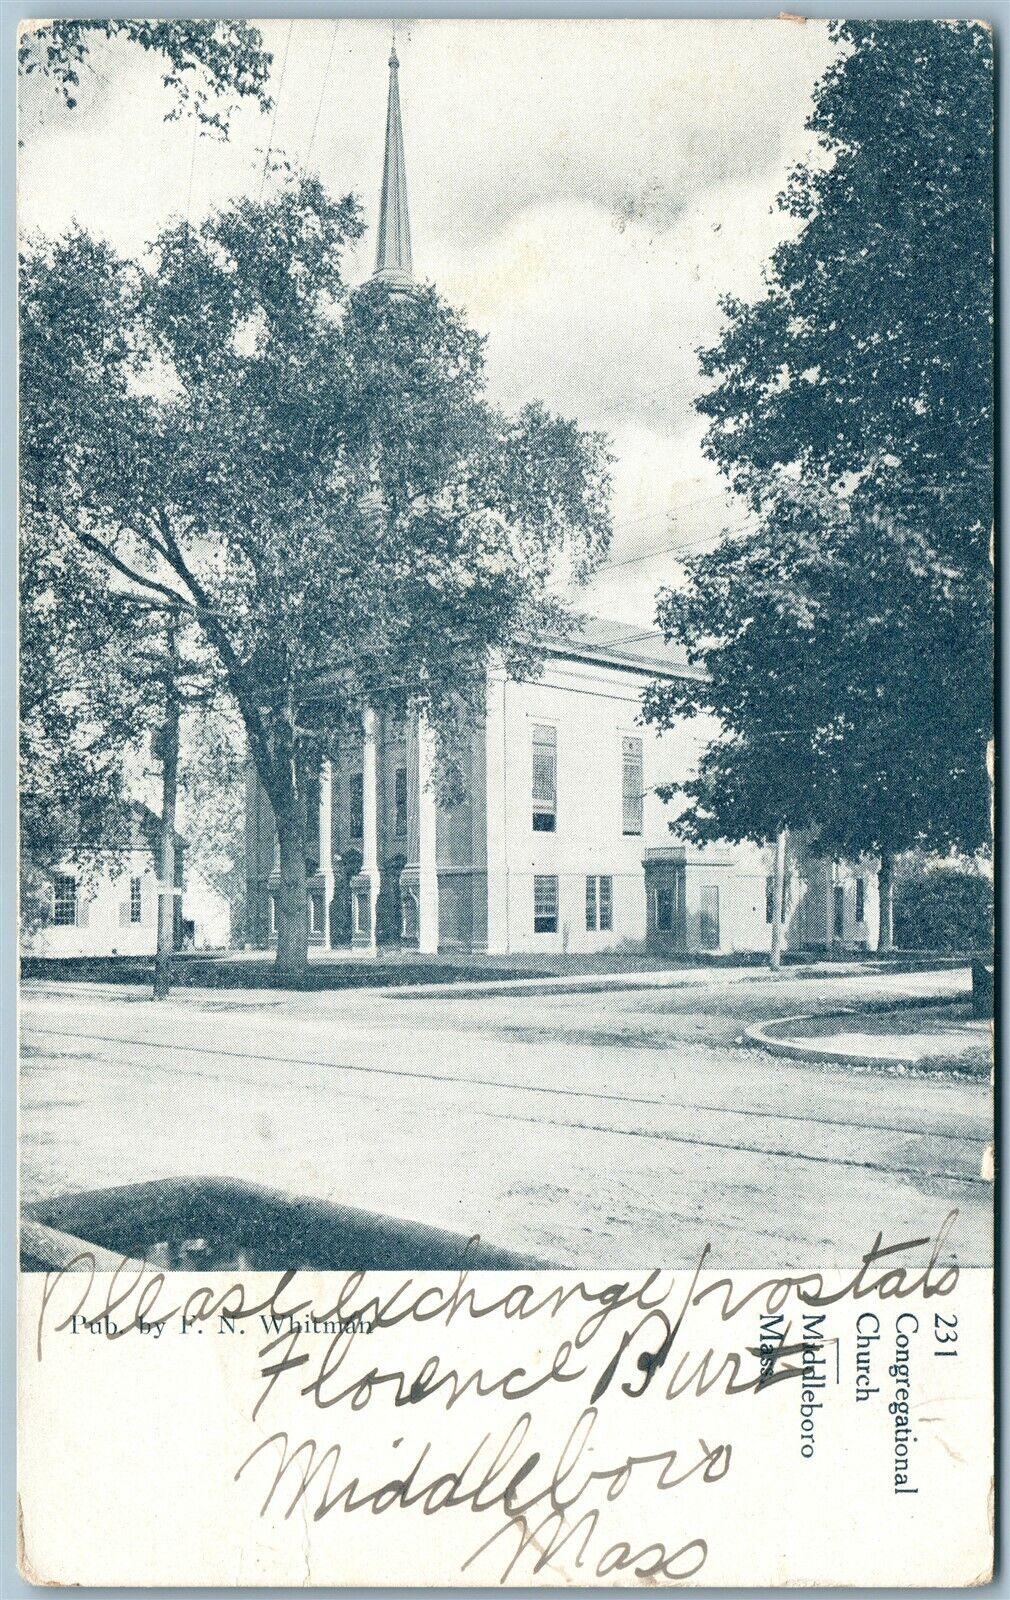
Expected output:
{"points": [[541, 1509]]}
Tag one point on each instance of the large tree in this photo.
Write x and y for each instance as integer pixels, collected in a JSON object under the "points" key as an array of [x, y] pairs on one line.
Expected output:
{"points": [[315, 477], [848, 636]]}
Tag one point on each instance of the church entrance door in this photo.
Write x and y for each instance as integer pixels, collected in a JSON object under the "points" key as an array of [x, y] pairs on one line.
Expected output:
{"points": [[388, 917]]}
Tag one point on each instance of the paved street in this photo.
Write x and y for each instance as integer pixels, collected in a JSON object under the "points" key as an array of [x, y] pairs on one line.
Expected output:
{"points": [[626, 1127]]}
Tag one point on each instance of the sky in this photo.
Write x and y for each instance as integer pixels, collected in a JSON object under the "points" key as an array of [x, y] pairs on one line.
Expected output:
{"points": [[585, 192]]}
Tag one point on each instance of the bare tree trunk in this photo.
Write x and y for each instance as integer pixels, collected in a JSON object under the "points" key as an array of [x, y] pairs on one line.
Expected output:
{"points": [[886, 887], [168, 746], [293, 911], [778, 898]]}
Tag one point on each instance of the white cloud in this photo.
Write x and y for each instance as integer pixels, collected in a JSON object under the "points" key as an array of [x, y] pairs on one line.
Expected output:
{"points": [[585, 191]]}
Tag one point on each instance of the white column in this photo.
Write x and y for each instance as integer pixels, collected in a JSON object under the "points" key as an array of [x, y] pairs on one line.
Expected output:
{"points": [[365, 884], [419, 878], [370, 818], [496, 813], [326, 845], [427, 865]]}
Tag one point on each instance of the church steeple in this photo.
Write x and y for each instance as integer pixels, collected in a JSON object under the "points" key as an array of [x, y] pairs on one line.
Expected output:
{"points": [[393, 265]]}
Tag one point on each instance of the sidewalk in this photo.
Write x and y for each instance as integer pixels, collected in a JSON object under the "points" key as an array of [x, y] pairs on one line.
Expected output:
{"points": [[450, 986], [474, 973]]}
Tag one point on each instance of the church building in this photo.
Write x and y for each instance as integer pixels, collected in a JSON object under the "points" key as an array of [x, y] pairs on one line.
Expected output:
{"points": [[561, 842]]}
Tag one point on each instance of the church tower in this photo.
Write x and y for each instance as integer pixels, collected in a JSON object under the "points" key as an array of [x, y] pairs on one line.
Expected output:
{"points": [[393, 264]]}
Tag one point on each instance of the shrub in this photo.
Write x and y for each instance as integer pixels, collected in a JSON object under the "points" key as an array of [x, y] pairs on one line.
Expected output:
{"points": [[943, 908]]}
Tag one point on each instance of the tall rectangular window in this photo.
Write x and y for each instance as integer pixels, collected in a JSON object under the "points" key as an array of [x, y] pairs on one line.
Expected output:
{"points": [[400, 803], [839, 918], [136, 901], [599, 904], [709, 918], [632, 784], [860, 899], [357, 822], [545, 903], [65, 901], [606, 904], [312, 840], [545, 779]]}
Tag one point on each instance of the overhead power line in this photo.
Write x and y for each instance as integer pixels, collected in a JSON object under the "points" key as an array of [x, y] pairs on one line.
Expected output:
{"points": [[322, 93], [277, 102], [666, 549], [618, 639]]}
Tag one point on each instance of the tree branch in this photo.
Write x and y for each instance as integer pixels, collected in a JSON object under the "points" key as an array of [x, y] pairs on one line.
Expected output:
{"points": [[98, 547]]}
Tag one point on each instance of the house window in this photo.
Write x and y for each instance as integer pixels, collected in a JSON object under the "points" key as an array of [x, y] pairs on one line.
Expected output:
{"points": [[273, 913], [632, 784], [545, 903], [400, 802], [709, 919], [545, 779], [65, 901], [839, 911], [860, 899], [664, 909], [357, 805], [599, 904], [315, 913], [136, 901], [606, 904]]}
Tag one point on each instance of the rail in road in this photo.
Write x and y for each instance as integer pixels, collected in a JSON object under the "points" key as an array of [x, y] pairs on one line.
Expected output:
{"points": [[952, 1157]]}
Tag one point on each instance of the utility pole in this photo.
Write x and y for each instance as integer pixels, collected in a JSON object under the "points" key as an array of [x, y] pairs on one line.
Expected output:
{"points": [[168, 750], [778, 898]]}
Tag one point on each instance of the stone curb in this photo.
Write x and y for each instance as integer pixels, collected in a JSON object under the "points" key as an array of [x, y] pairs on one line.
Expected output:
{"points": [[758, 1034]]}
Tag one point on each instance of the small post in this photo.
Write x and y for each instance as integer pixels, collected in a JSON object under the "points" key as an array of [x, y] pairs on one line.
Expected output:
{"points": [[778, 898], [885, 881], [168, 749]]}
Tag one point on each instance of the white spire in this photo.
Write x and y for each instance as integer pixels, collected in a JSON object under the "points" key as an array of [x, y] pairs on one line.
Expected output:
{"points": [[393, 264]]}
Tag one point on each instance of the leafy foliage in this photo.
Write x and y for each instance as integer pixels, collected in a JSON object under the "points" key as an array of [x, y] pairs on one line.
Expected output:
{"points": [[314, 477], [77, 717], [944, 908], [848, 635], [206, 62], [212, 804]]}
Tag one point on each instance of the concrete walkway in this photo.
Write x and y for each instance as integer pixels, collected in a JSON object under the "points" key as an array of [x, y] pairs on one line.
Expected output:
{"points": [[862, 976]]}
